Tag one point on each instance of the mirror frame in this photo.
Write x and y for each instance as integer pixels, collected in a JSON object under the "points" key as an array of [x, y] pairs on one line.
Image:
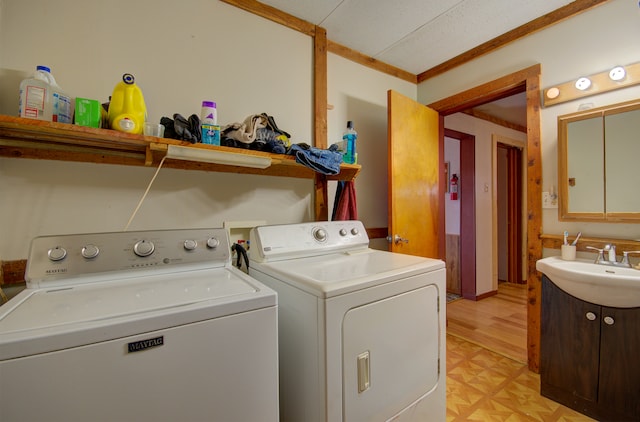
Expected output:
{"points": [[563, 177]]}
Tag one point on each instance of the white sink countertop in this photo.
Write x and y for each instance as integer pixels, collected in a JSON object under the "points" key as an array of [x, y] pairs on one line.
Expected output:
{"points": [[606, 285]]}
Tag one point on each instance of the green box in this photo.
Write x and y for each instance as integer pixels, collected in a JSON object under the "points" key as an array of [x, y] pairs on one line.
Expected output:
{"points": [[88, 112]]}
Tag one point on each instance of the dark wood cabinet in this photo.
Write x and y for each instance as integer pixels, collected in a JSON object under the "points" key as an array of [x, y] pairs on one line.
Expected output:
{"points": [[590, 356]]}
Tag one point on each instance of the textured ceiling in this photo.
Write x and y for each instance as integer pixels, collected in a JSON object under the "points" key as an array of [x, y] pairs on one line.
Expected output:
{"points": [[416, 35]]}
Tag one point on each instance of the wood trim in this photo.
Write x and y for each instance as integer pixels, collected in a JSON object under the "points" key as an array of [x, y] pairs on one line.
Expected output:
{"points": [[534, 220], [503, 87], [496, 120], [370, 62], [522, 31], [275, 15], [377, 232], [486, 295], [529, 79], [554, 241], [320, 123], [320, 88], [12, 272]]}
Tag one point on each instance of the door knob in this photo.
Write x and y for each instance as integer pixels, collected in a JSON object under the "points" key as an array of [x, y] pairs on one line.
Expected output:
{"points": [[397, 239]]}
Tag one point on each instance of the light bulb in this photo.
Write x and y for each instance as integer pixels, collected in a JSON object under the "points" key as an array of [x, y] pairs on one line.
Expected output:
{"points": [[617, 73], [583, 83]]}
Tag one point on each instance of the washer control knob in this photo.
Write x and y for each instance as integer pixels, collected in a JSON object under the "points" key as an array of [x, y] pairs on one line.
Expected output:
{"points": [[57, 254], [90, 251], [144, 248], [354, 231], [190, 244], [343, 232], [212, 243], [320, 234]]}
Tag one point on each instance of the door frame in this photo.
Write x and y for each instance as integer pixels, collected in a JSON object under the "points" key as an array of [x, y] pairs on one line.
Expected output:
{"points": [[467, 193], [528, 80], [516, 234]]}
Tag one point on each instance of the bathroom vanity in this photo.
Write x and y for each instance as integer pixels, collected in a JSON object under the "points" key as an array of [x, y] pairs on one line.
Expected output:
{"points": [[590, 355]]}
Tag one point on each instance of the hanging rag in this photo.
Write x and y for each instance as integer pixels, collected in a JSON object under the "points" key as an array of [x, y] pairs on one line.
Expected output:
{"points": [[325, 161], [347, 207]]}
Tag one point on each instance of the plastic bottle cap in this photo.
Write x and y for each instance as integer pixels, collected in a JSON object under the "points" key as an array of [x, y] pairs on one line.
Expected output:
{"points": [[208, 104], [350, 124], [45, 68]]}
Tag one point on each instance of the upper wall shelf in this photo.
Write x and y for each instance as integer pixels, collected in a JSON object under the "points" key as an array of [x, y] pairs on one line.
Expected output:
{"points": [[28, 138]]}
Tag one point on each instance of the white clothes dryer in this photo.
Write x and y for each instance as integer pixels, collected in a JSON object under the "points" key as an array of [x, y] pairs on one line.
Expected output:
{"points": [[361, 331], [138, 326]]}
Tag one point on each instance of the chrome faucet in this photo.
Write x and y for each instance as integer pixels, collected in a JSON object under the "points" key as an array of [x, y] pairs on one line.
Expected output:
{"points": [[611, 258]]}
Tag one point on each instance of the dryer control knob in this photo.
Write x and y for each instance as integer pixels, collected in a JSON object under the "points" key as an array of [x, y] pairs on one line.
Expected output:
{"points": [[212, 243], [57, 254], [320, 234], [343, 232], [90, 251], [144, 248], [354, 231], [190, 244]]}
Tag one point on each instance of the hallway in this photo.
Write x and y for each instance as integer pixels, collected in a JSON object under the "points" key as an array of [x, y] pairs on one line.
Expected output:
{"points": [[497, 323]]}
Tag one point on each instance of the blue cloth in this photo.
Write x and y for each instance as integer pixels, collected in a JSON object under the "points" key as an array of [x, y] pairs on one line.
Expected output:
{"points": [[325, 161]]}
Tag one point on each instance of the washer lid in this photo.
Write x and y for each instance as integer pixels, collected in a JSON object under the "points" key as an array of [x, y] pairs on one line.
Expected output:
{"points": [[343, 272], [127, 298]]}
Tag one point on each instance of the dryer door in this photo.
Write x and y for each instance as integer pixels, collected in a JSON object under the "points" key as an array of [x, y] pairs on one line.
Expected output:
{"points": [[390, 355]]}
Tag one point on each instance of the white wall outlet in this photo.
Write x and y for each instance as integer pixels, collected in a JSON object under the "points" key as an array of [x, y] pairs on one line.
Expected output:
{"points": [[549, 201]]}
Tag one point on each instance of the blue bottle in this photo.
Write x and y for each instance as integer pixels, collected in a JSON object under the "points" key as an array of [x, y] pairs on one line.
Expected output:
{"points": [[350, 137]]}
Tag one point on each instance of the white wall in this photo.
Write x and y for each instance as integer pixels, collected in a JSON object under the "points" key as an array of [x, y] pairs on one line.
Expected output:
{"points": [[180, 54], [359, 94], [486, 274], [591, 42]]}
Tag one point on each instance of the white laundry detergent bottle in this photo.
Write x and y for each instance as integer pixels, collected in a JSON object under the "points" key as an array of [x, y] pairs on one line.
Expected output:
{"points": [[41, 98]]}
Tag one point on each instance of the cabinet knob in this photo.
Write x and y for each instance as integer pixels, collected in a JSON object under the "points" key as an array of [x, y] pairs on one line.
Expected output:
{"points": [[591, 316], [608, 320]]}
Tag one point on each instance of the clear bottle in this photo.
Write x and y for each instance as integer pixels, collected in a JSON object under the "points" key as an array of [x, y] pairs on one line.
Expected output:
{"points": [[350, 137], [209, 123], [35, 95]]}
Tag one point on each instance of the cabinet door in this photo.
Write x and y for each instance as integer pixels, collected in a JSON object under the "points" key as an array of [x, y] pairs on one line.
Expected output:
{"points": [[619, 366], [569, 343]]}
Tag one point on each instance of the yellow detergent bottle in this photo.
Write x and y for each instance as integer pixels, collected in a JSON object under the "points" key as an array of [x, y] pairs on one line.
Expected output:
{"points": [[127, 111]]}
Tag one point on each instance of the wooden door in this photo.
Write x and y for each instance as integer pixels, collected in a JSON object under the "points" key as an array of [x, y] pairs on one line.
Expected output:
{"points": [[415, 218]]}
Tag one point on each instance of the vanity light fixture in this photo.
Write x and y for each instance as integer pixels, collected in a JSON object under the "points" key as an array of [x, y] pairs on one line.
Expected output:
{"points": [[583, 84], [617, 73], [217, 157], [616, 77]]}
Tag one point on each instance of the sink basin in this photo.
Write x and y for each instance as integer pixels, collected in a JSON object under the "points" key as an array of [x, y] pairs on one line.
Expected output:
{"points": [[605, 285]]}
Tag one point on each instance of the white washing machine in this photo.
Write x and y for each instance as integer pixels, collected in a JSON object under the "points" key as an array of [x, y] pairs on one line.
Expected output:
{"points": [[138, 326], [361, 331]]}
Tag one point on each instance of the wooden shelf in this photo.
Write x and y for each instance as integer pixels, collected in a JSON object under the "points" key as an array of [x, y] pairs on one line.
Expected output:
{"points": [[28, 138]]}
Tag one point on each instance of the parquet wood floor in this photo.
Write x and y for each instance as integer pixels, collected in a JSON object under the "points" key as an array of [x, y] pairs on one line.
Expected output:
{"points": [[486, 386], [487, 375]]}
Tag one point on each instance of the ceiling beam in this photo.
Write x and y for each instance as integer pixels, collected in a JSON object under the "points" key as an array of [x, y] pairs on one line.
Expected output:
{"points": [[522, 31]]}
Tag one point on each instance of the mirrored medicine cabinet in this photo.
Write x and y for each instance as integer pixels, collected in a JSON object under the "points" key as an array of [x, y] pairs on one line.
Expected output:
{"points": [[598, 162]]}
